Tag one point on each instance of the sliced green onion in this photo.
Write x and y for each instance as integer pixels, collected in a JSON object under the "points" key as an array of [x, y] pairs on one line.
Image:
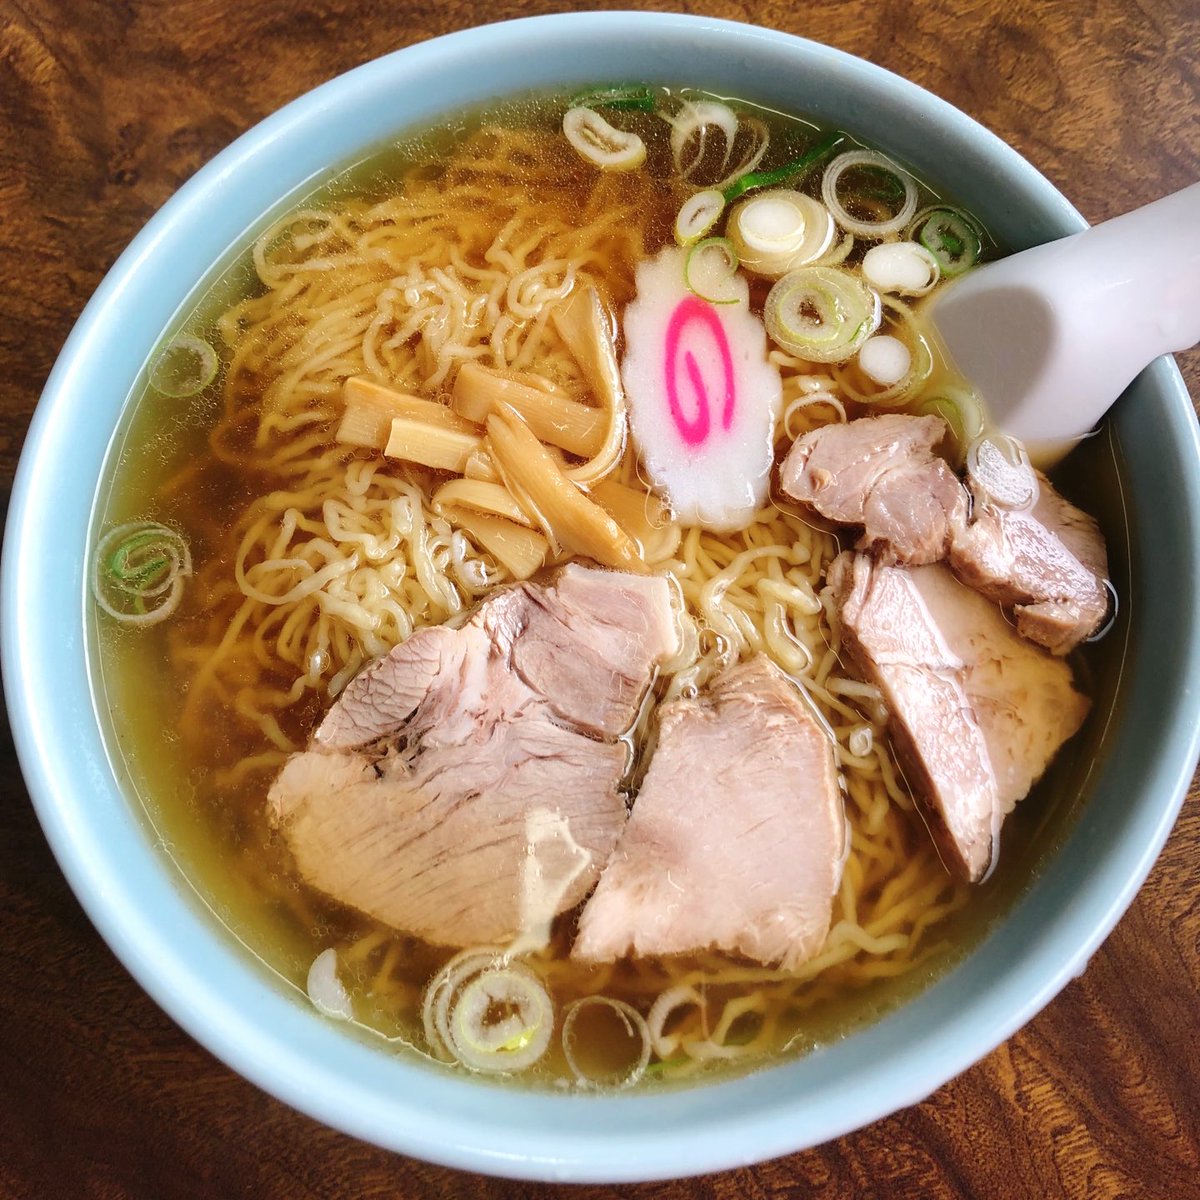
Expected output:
{"points": [[904, 267], [951, 236], [787, 173], [627, 98], [861, 741], [822, 314], [839, 253], [698, 215], [895, 188], [605, 147], [441, 991], [871, 383], [776, 231], [487, 1013], [710, 269], [693, 120], [634, 1025], [502, 1021], [139, 572], [751, 158], [1001, 473], [326, 991], [665, 1004], [961, 410], [185, 366], [690, 128], [884, 359]]}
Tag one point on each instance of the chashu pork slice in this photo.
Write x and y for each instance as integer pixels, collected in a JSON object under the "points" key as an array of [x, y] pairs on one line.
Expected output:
{"points": [[976, 711], [464, 788], [881, 473], [737, 837], [1047, 563]]}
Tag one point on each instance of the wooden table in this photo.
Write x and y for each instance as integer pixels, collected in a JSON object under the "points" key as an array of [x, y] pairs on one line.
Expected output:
{"points": [[105, 108]]}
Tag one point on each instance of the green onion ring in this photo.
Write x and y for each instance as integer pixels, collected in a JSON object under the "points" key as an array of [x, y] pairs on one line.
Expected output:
{"points": [[952, 236], [765, 241], [185, 365], [139, 571], [635, 1025], [901, 325], [698, 215], [906, 191], [709, 267], [822, 314], [480, 978], [1000, 472], [511, 1042], [960, 408]]}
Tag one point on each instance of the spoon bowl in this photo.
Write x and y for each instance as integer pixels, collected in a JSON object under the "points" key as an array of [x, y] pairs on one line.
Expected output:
{"points": [[1053, 335]]}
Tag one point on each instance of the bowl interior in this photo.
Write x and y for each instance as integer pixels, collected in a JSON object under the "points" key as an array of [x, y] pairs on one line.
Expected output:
{"points": [[224, 998]]}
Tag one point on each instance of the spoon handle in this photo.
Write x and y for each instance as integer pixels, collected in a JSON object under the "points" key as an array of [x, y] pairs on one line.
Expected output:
{"points": [[1138, 276]]}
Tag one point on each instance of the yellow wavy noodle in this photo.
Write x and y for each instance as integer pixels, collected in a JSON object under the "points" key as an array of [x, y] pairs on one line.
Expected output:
{"points": [[337, 556]]}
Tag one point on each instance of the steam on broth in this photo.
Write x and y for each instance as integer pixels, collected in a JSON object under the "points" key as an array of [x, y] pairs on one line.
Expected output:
{"points": [[399, 407]]}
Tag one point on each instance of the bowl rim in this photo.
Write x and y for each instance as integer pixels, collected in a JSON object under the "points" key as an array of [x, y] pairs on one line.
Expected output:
{"points": [[226, 1004]]}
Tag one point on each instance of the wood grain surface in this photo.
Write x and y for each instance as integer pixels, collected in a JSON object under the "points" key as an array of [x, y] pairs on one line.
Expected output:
{"points": [[105, 108]]}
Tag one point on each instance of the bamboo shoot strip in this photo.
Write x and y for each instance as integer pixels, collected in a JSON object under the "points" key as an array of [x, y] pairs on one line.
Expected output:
{"points": [[643, 515], [477, 494], [638, 512], [480, 466], [519, 549], [371, 407], [430, 445], [585, 325], [577, 523], [576, 428]]}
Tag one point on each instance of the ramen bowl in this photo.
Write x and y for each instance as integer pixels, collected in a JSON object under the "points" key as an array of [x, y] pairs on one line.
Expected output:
{"points": [[224, 997]]}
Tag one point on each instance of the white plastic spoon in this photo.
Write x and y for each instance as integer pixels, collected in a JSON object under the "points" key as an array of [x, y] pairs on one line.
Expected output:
{"points": [[1053, 335]]}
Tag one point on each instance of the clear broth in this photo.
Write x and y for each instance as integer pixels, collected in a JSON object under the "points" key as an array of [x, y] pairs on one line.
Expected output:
{"points": [[212, 837]]}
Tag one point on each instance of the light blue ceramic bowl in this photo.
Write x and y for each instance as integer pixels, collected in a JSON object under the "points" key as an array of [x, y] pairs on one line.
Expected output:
{"points": [[233, 1008]]}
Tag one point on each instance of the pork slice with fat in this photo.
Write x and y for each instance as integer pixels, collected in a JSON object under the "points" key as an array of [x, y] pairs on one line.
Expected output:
{"points": [[881, 473], [452, 774], [976, 712], [590, 628], [435, 842], [737, 837], [1048, 563], [384, 696], [1023, 698]]}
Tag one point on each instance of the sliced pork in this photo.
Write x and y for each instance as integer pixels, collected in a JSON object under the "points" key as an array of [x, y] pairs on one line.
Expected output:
{"points": [[737, 837], [464, 788], [976, 711], [1048, 563], [881, 473]]}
